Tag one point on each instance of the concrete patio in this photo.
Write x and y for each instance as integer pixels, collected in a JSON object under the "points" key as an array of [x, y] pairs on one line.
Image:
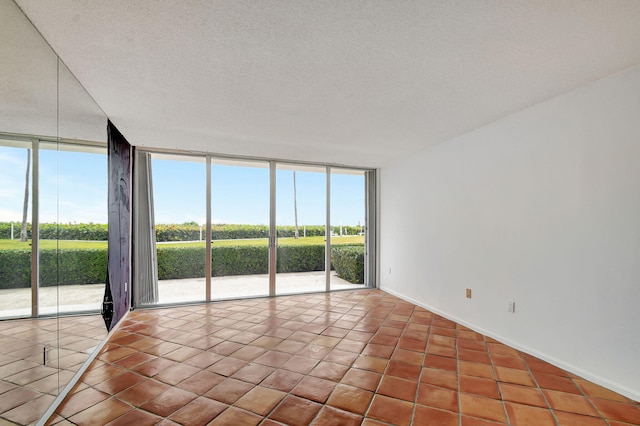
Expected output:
{"points": [[82, 298]]}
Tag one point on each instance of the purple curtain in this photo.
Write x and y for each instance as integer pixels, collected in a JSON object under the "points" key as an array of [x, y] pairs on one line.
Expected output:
{"points": [[117, 295]]}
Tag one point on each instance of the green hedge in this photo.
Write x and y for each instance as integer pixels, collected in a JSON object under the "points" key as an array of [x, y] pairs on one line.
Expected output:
{"points": [[87, 266], [170, 232], [348, 262]]}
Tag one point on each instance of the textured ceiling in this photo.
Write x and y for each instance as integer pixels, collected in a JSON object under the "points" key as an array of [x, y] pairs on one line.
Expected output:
{"points": [[355, 82]]}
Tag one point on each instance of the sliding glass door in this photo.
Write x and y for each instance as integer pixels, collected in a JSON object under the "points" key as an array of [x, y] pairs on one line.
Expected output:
{"points": [[227, 228], [301, 213], [347, 228], [239, 228]]}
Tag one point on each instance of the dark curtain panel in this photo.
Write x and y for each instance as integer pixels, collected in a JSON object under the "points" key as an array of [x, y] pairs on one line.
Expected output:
{"points": [[116, 298]]}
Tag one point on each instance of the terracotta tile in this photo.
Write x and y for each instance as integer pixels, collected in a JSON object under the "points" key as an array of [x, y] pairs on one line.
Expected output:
{"points": [[198, 412], [136, 417], [473, 356], [475, 369], [484, 408], [511, 375], [74, 403], [335, 332], [540, 366], [314, 389], [116, 354], [225, 348], [182, 354], [142, 392], [445, 351], [367, 380], [119, 383], [227, 366], [571, 419], [351, 345], [370, 363], [329, 371], [300, 364], [330, 416], [398, 388], [290, 346], [295, 411], [152, 368], [201, 382], [522, 394], [282, 380], [440, 362], [233, 416], [508, 361], [442, 378], [615, 410], [248, 353], [175, 374], [553, 382], [228, 391], [432, 416], [350, 398], [410, 357], [134, 359], [526, 415], [101, 413], [273, 358], [568, 402], [30, 411], [253, 373], [341, 357], [266, 342], [168, 401], [403, 370], [314, 351], [384, 339], [596, 391], [391, 410], [100, 374], [475, 345], [479, 386], [371, 422], [436, 397], [381, 351], [502, 349], [203, 359], [260, 400], [412, 344]]}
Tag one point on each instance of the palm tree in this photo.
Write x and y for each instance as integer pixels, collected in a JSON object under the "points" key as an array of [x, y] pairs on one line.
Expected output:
{"points": [[25, 206]]}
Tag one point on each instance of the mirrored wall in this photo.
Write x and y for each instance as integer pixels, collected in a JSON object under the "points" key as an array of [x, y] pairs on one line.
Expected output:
{"points": [[53, 216]]}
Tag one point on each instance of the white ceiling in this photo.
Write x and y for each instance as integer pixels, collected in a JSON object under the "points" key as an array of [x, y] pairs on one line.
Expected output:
{"points": [[355, 82]]}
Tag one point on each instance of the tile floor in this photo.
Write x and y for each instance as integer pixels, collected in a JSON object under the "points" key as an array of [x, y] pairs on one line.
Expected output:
{"points": [[27, 386], [342, 358]]}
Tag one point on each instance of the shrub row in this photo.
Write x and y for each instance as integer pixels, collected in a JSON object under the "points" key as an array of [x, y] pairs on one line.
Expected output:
{"points": [[348, 262], [89, 266], [57, 267], [165, 233], [59, 231]]}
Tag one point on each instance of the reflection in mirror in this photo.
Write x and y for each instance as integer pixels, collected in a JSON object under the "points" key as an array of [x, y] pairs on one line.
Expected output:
{"points": [[52, 186]]}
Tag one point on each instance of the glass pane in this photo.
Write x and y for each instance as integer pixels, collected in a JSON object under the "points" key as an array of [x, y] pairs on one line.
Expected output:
{"points": [[300, 219], [179, 199], [347, 228], [15, 246], [240, 229], [73, 227]]}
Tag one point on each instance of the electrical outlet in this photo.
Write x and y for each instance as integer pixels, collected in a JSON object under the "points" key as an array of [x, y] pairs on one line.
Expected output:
{"points": [[468, 293], [512, 307]]}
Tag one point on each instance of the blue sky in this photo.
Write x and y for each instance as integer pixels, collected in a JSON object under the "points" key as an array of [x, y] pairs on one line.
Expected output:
{"points": [[73, 189]]}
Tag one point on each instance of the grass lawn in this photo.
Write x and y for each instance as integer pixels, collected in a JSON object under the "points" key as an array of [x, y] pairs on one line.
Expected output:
{"points": [[64, 244]]}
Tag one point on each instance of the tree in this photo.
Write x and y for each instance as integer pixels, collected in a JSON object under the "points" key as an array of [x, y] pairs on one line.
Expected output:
{"points": [[295, 208], [25, 206]]}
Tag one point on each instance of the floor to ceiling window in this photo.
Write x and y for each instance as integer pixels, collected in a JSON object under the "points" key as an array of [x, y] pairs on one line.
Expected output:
{"points": [[348, 212], [240, 228], [226, 228]]}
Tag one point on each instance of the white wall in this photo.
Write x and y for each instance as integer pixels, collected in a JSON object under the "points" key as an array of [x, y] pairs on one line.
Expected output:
{"points": [[541, 208]]}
